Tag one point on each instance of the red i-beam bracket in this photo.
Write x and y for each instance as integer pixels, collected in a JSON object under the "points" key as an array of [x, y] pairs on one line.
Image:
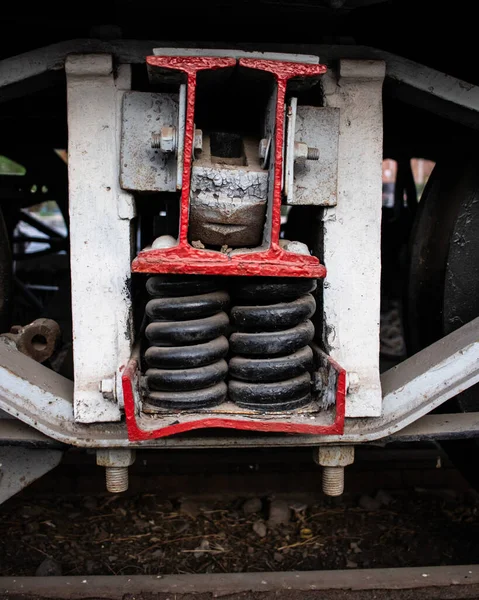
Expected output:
{"points": [[271, 261]]}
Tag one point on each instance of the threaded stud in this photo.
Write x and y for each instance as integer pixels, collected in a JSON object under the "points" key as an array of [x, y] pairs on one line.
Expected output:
{"points": [[333, 481], [313, 153], [116, 479], [156, 140]]}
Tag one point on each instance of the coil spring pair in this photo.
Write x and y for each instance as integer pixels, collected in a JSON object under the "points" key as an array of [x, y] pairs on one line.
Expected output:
{"points": [[270, 360]]}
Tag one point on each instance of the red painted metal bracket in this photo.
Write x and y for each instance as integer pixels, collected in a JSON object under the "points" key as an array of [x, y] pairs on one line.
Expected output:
{"points": [[143, 428], [272, 261]]}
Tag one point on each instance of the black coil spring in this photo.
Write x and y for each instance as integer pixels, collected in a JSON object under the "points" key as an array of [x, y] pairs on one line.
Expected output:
{"points": [[188, 343], [272, 361]]}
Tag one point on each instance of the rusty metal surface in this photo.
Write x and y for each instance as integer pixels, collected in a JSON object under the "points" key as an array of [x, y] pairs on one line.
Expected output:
{"points": [[421, 582], [38, 339], [143, 168]]}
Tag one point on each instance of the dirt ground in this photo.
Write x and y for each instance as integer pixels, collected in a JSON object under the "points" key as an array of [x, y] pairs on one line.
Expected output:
{"points": [[138, 535]]}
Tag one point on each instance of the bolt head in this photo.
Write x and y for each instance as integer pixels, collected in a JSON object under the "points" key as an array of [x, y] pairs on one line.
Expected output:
{"points": [[168, 139], [115, 457], [263, 147], [198, 141], [334, 456], [352, 382], [107, 386]]}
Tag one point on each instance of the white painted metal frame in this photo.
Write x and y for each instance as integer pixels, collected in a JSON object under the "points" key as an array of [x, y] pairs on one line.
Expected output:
{"points": [[100, 232], [43, 399], [352, 233]]}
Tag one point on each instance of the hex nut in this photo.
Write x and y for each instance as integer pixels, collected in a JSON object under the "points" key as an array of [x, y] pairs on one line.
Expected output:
{"points": [[352, 382], [115, 457], [334, 456]]}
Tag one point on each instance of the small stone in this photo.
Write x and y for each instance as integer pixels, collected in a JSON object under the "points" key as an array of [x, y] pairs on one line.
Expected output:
{"points": [[383, 498], [279, 513], [201, 549], [278, 557], [355, 548], [260, 528], [252, 506], [90, 567], [164, 241], [190, 509], [350, 564], [49, 568], [296, 248], [250, 550], [369, 503], [198, 244]]}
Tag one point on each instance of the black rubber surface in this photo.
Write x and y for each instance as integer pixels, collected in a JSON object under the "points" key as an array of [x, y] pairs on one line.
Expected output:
{"points": [[273, 343], [186, 379], [168, 357], [171, 333], [272, 394], [271, 317], [173, 286], [183, 308], [189, 400], [258, 370], [269, 289]]}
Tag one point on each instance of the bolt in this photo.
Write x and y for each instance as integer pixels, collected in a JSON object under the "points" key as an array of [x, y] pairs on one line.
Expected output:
{"points": [[263, 146], [107, 388], [198, 140], [165, 140], [304, 152], [352, 382], [333, 459], [333, 481], [116, 479], [116, 463]]}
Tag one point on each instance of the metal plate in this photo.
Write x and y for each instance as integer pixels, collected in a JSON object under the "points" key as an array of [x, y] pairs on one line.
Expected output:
{"points": [[316, 182], [144, 168]]}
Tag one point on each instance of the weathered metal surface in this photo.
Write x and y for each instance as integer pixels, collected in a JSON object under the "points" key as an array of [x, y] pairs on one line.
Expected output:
{"points": [[43, 399], [143, 168], [437, 582], [228, 202], [38, 339], [237, 54], [144, 428], [100, 246], [334, 456], [457, 99], [352, 230], [185, 259], [19, 467], [316, 182]]}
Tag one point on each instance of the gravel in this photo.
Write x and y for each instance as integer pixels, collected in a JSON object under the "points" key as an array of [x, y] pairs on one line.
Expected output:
{"points": [[138, 534]]}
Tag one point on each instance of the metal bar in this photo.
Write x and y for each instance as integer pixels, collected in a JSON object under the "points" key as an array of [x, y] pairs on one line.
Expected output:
{"points": [[43, 399], [40, 226], [219, 584], [456, 99]]}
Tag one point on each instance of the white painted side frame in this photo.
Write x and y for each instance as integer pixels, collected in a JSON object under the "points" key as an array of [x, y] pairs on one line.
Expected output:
{"points": [[100, 215], [352, 233]]}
